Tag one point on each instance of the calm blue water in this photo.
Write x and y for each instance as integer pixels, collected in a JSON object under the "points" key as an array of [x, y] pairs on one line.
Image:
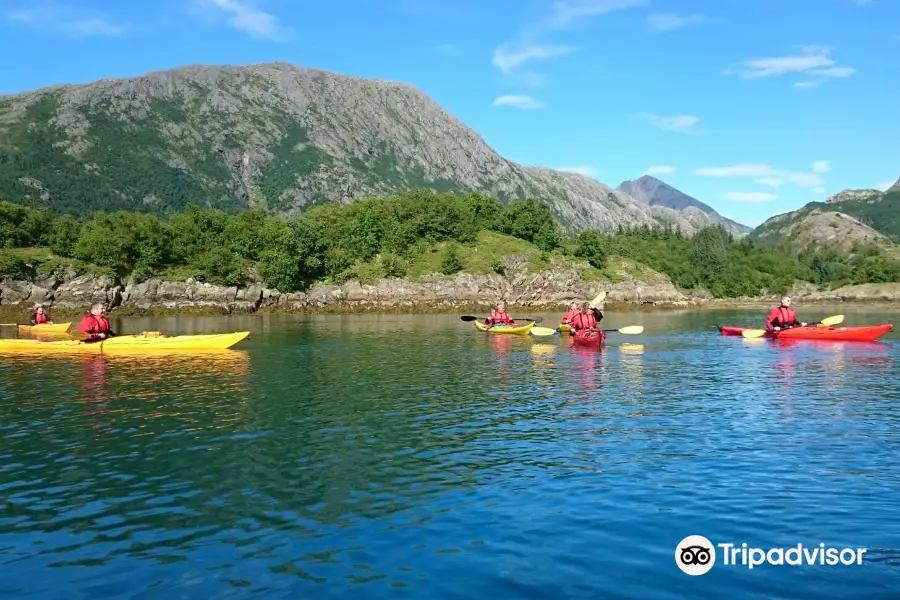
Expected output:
{"points": [[411, 457]]}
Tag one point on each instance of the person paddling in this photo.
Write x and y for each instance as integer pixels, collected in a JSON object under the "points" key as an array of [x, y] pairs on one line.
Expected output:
{"points": [[95, 324], [39, 316], [588, 318], [782, 316], [567, 318], [499, 316]]}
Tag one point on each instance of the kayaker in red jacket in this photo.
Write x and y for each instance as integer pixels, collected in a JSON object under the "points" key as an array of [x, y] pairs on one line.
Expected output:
{"points": [[95, 324], [499, 316], [782, 316], [587, 318], [39, 315], [573, 310]]}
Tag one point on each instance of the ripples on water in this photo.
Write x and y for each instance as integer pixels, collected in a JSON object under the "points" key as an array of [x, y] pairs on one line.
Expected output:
{"points": [[341, 459]]}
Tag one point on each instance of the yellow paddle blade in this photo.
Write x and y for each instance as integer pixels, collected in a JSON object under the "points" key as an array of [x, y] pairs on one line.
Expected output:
{"points": [[833, 320], [598, 299], [753, 333], [542, 331], [632, 329]]}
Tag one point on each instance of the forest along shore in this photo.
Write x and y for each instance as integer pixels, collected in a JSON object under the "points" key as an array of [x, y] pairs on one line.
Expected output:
{"points": [[545, 290]]}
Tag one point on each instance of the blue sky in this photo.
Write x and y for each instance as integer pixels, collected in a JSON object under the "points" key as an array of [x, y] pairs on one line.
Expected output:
{"points": [[755, 107]]}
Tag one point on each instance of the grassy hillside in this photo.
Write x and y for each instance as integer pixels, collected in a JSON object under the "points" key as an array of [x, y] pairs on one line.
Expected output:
{"points": [[415, 236], [878, 210]]}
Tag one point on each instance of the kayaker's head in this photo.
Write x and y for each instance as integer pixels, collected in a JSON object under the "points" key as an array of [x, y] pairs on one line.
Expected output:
{"points": [[786, 301], [501, 307], [98, 309], [39, 309], [573, 306], [586, 307]]}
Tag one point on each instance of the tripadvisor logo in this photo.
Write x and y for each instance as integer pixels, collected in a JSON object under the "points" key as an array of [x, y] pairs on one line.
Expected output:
{"points": [[696, 555]]}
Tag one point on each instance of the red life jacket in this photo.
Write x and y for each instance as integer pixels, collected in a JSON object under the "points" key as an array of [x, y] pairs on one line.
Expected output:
{"points": [[781, 316], [40, 318], [569, 316], [584, 321], [498, 317], [94, 324]]}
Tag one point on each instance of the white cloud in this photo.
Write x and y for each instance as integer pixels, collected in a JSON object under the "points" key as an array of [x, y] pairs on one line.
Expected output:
{"points": [[662, 22], [760, 172], [751, 196], [678, 123], [246, 17], [567, 13], [769, 181], [659, 170], [585, 170], [517, 101], [812, 60], [821, 166], [564, 14], [885, 185], [68, 22], [506, 59]]}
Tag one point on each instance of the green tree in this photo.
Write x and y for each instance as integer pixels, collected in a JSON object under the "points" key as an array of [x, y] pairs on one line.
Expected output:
{"points": [[589, 245]]}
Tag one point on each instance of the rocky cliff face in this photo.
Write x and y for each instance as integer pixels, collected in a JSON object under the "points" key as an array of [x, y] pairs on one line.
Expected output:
{"points": [[555, 288], [271, 135], [653, 192], [847, 195]]}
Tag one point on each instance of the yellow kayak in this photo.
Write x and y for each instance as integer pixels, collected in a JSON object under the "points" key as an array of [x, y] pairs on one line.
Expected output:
{"points": [[523, 329], [46, 328], [148, 342]]}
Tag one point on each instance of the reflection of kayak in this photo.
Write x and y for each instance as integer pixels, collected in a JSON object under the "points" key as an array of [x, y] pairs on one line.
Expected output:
{"points": [[865, 333], [522, 329], [564, 327], [589, 337], [127, 344], [45, 328]]}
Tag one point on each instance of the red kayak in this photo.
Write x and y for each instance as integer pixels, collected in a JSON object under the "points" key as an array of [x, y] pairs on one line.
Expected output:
{"points": [[589, 337], [867, 333]]}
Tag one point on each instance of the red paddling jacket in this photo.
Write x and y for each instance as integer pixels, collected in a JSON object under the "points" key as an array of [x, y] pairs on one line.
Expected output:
{"points": [[586, 320], [782, 316]]}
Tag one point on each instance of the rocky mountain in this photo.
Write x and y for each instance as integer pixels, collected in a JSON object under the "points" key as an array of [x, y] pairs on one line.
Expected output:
{"points": [[865, 216], [653, 192], [271, 135]]}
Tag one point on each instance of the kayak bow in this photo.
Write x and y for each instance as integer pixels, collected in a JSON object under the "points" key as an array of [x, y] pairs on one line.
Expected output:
{"points": [[865, 333], [127, 344], [522, 329], [589, 337], [46, 328]]}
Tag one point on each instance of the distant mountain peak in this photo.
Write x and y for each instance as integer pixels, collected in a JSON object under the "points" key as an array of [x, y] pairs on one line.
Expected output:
{"points": [[895, 187], [653, 192]]}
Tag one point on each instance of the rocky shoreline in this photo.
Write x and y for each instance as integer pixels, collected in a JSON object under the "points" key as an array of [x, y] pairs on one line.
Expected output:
{"points": [[68, 293]]}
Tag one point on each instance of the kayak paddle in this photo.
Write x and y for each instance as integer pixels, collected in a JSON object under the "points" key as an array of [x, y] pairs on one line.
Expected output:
{"points": [[757, 333], [474, 318], [630, 330], [598, 299]]}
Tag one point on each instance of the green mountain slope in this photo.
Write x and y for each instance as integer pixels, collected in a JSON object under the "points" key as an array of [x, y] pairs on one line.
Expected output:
{"points": [[273, 136], [872, 211]]}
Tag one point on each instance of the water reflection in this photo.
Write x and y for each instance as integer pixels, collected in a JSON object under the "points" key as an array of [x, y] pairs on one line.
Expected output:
{"points": [[631, 357]]}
